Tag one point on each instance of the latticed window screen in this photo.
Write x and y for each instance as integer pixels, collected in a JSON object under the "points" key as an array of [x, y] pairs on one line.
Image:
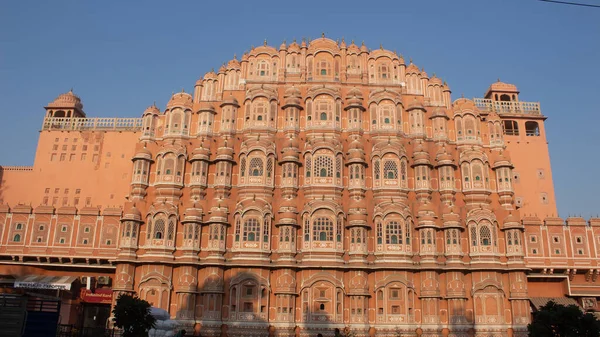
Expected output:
{"points": [[338, 229], [448, 237], [485, 236], [269, 167], [455, 236], [376, 169], [509, 238], [306, 229], [308, 166], [238, 228], [379, 233], [256, 167], [393, 233], [243, 167], [266, 226], [338, 167], [516, 237], [251, 230], [214, 232], [159, 229], [403, 170], [473, 236], [407, 232], [171, 232], [323, 167], [322, 229], [390, 169]]}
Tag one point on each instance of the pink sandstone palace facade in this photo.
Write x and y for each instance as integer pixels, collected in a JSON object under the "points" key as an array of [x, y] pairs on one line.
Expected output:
{"points": [[316, 186]]}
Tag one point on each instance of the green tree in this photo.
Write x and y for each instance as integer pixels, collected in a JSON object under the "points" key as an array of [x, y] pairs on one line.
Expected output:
{"points": [[556, 320], [132, 314]]}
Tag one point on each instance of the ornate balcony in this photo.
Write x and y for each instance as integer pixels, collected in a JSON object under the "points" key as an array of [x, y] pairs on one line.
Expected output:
{"points": [[508, 107], [81, 124]]}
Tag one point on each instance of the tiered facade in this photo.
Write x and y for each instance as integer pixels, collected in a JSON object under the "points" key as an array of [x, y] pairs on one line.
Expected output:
{"points": [[302, 189]]}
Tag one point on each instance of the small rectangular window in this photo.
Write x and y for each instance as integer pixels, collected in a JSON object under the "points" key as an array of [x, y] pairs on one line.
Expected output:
{"points": [[63, 156], [533, 238], [511, 128], [73, 147], [63, 228], [580, 251], [47, 190], [53, 157], [56, 190], [62, 240], [83, 156], [579, 239], [556, 239]]}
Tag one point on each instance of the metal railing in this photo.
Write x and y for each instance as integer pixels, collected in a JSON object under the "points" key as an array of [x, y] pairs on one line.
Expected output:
{"points": [[100, 123], [508, 107]]}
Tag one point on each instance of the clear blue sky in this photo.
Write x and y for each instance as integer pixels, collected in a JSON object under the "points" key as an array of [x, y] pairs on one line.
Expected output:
{"points": [[120, 56]]}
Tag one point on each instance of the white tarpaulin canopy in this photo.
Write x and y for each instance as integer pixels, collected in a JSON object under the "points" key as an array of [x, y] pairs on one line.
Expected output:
{"points": [[45, 282]]}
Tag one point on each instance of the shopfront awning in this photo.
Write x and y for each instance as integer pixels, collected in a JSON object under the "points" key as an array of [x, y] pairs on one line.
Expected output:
{"points": [[539, 302], [45, 282]]}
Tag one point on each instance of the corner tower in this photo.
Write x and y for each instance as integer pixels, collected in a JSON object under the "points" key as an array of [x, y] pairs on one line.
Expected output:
{"points": [[525, 139]]}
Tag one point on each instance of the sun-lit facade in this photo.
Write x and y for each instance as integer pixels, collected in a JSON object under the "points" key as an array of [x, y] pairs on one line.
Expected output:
{"points": [[316, 186]]}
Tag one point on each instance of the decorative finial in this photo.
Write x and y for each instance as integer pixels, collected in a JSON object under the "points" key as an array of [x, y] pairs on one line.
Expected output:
{"points": [[433, 74], [323, 35], [363, 43], [498, 79], [182, 90], [294, 40], [343, 41], [410, 60], [212, 70], [462, 95], [265, 43], [352, 41], [381, 46], [284, 41], [235, 56]]}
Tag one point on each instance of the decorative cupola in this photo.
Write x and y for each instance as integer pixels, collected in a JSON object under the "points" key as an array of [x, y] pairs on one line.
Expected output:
{"points": [[229, 108], [439, 120], [200, 160], [358, 228], [149, 122], [514, 232], [190, 243], [178, 115], [130, 232], [357, 165], [288, 226], [355, 108], [290, 166], [217, 228], [66, 105], [224, 163], [416, 118], [453, 231], [427, 227], [206, 118], [422, 167], [292, 107], [503, 169], [446, 166], [141, 172]]}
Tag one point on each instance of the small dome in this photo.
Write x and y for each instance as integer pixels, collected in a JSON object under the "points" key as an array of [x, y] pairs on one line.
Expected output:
{"points": [[435, 80], [292, 91], [143, 153], [501, 86], [192, 213], [443, 157], [132, 213], [356, 145], [502, 161], [282, 46], [424, 74], [207, 106], [210, 75], [222, 69], [412, 68], [415, 104], [353, 48], [152, 110], [294, 47], [364, 48], [66, 100], [439, 112], [343, 44], [233, 64], [357, 218], [199, 82], [230, 101], [180, 99], [511, 219]]}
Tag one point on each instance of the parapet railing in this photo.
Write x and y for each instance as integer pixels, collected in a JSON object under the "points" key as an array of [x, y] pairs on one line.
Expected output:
{"points": [[16, 168], [504, 107], [100, 123]]}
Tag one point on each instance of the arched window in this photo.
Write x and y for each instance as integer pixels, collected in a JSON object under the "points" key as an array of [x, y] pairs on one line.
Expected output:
{"points": [[262, 68], [393, 233], [323, 166], [323, 116], [323, 68], [485, 236], [256, 167], [390, 169], [159, 228], [532, 129], [322, 229], [17, 238], [251, 230]]}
